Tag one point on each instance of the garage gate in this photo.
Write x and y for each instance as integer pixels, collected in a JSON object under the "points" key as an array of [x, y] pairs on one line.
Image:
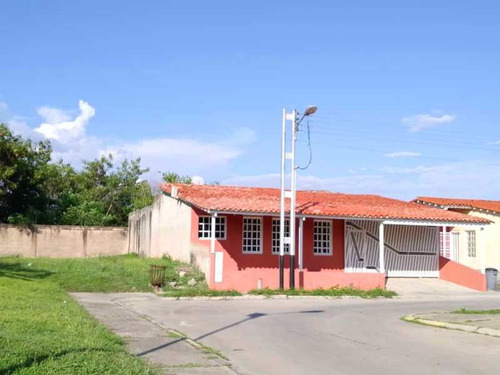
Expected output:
{"points": [[410, 251]]}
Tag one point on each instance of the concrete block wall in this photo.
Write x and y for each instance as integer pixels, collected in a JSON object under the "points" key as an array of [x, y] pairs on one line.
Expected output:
{"points": [[59, 241]]}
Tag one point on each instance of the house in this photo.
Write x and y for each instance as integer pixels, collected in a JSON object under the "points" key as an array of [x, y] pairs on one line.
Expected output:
{"points": [[232, 234], [460, 243]]}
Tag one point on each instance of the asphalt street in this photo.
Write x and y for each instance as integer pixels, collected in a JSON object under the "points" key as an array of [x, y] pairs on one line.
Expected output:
{"points": [[327, 336]]}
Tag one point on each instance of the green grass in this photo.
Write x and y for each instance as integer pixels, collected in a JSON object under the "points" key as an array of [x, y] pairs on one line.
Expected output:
{"points": [[463, 310], [199, 292], [43, 331], [330, 292], [126, 273]]}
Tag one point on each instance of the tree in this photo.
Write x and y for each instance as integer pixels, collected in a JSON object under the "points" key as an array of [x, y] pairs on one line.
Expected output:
{"points": [[107, 195], [35, 190], [172, 177], [23, 199]]}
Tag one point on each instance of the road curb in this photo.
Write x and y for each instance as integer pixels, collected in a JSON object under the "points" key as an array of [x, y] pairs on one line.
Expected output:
{"points": [[222, 360], [454, 326], [260, 297]]}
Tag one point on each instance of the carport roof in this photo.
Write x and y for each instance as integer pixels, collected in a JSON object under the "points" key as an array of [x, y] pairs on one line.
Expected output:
{"points": [[253, 200], [480, 204]]}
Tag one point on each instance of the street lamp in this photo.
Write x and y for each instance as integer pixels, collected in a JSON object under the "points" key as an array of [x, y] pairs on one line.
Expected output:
{"points": [[291, 194]]}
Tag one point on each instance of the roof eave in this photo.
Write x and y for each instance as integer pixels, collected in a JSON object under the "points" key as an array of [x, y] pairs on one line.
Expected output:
{"points": [[385, 220]]}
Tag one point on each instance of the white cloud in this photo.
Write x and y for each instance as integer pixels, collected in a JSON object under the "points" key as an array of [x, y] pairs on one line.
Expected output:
{"points": [[495, 143], [197, 180], [186, 155], [19, 126], [264, 180], [403, 154], [177, 153], [473, 179], [425, 121], [59, 126], [53, 115], [350, 184]]}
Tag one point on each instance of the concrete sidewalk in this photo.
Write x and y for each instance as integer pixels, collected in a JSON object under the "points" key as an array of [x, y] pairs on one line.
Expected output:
{"points": [[486, 324], [168, 349]]}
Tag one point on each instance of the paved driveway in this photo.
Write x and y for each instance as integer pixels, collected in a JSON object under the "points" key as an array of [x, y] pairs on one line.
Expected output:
{"points": [[426, 288], [327, 336]]}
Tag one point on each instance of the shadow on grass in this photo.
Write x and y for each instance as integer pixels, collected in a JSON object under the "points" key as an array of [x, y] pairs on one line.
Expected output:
{"points": [[20, 271], [36, 360]]}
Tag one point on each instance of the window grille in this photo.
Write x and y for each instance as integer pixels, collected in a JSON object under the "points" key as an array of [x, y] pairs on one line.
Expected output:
{"points": [[252, 235]]}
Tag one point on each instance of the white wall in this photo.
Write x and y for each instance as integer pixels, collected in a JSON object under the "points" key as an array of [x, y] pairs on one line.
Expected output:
{"points": [[164, 228], [489, 239]]}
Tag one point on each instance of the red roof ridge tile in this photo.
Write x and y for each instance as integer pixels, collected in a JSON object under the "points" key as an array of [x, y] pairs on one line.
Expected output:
{"points": [[266, 200], [482, 204]]}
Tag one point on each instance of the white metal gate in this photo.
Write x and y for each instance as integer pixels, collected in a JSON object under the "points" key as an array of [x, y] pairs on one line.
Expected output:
{"points": [[359, 255], [410, 251]]}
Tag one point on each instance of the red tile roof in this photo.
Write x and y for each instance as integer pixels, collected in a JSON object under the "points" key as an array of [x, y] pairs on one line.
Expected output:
{"points": [[311, 203], [462, 203]]}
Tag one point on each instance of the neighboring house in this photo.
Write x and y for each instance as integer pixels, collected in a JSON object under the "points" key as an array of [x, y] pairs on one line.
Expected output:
{"points": [[462, 244], [232, 234]]}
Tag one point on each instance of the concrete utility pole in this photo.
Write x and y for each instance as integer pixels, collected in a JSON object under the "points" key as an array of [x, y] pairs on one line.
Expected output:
{"points": [[289, 194]]}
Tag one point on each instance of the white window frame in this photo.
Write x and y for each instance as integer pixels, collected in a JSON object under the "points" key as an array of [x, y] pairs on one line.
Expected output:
{"points": [[210, 227], [469, 233], [275, 238], [260, 235], [330, 250]]}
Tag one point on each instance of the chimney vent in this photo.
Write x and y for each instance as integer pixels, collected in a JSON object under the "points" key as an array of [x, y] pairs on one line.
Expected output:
{"points": [[174, 191]]}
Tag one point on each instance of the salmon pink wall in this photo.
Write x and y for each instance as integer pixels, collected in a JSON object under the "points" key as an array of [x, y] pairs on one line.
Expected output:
{"points": [[460, 274], [242, 272]]}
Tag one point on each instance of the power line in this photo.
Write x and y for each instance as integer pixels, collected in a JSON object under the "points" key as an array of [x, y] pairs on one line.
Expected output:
{"points": [[385, 152], [408, 141], [310, 148], [442, 133]]}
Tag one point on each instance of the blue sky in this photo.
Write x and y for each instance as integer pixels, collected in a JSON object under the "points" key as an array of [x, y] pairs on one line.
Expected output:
{"points": [[407, 92]]}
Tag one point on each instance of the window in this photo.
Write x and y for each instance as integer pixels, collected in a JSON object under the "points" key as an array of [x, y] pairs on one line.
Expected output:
{"points": [[444, 249], [471, 243], [276, 235], [205, 227], [252, 235], [322, 237]]}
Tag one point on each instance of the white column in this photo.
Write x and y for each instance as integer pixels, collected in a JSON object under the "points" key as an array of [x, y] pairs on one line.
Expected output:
{"points": [[301, 243], [444, 238], [482, 252], [293, 186], [212, 233], [282, 197], [381, 247]]}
